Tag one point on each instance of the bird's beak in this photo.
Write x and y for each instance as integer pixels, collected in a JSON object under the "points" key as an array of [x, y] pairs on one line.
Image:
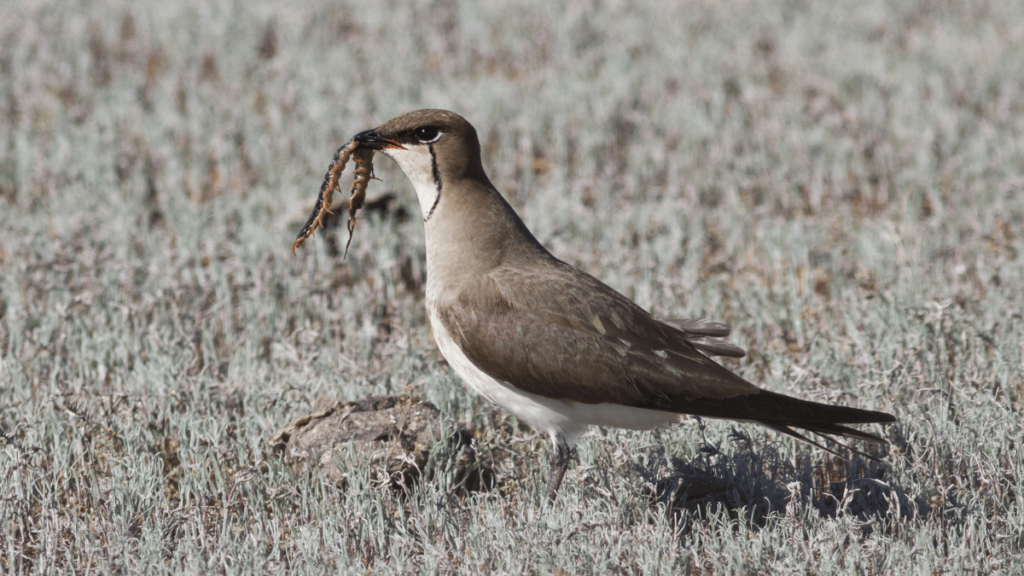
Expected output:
{"points": [[370, 139]]}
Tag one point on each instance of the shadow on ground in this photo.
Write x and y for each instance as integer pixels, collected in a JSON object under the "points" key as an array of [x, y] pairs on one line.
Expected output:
{"points": [[757, 483]]}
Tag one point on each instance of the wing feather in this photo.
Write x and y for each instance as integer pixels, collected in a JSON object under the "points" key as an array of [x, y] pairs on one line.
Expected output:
{"points": [[536, 330]]}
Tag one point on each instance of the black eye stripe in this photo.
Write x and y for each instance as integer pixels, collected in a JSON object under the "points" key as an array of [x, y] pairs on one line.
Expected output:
{"points": [[437, 182]]}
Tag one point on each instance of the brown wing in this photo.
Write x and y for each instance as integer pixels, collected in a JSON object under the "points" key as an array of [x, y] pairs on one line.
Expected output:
{"points": [[536, 330]]}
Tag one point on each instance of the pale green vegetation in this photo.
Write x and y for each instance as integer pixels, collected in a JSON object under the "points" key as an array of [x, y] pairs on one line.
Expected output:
{"points": [[841, 182]]}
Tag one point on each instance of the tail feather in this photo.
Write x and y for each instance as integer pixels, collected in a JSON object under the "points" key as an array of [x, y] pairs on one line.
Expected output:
{"points": [[706, 336], [826, 431], [845, 432]]}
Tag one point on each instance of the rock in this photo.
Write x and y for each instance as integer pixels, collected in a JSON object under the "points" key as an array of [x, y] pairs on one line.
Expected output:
{"points": [[396, 434]]}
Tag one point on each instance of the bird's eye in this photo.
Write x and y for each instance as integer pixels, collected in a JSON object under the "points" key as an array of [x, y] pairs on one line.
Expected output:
{"points": [[427, 134]]}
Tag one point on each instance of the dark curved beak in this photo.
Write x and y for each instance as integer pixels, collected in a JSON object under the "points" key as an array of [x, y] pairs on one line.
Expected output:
{"points": [[370, 139]]}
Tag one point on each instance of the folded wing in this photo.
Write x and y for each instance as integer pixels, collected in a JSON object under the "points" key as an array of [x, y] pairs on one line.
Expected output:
{"points": [[606, 349]]}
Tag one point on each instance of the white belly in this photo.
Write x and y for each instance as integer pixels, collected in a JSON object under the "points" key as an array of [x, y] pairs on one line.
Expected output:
{"points": [[548, 415]]}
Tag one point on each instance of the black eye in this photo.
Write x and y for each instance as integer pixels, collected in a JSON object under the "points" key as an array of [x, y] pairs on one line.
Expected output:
{"points": [[427, 134]]}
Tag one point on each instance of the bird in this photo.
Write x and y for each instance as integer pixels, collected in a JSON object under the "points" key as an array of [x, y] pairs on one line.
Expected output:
{"points": [[553, 345]]}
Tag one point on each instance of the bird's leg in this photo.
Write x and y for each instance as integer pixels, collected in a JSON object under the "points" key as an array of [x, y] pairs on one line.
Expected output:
{"points": [[559, 463]]}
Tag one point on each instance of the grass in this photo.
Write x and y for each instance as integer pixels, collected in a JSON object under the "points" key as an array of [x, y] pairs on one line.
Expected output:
{"points": [[842, 183]]}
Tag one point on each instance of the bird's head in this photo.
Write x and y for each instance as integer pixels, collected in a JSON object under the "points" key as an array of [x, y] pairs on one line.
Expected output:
{"points": [[435, 149]]}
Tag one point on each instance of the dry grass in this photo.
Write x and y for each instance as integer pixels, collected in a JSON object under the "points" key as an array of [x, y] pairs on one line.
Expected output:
{"points": [[844, 184]]}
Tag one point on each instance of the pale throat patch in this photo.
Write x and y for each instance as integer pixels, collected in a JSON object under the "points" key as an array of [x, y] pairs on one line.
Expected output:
{"points": [[418, 165]]}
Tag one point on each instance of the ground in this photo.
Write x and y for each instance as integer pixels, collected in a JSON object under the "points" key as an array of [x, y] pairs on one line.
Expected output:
{"points": [[843, 183]]}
